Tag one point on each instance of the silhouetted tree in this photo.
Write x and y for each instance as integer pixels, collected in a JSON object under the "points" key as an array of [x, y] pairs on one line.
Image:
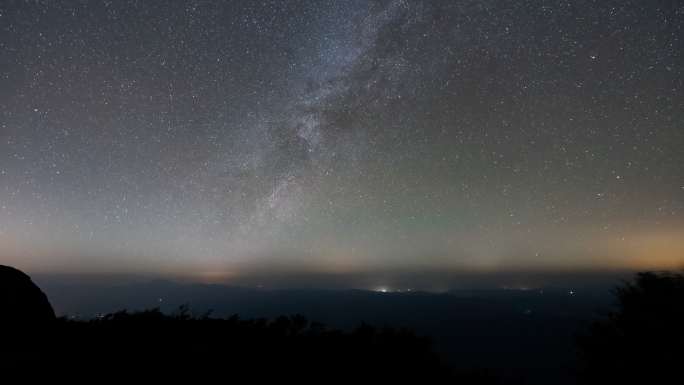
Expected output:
{"points": [[642, 341]]}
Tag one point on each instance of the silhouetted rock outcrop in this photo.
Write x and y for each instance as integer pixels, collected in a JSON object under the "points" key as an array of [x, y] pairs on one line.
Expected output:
{"points": [[21, 300]]}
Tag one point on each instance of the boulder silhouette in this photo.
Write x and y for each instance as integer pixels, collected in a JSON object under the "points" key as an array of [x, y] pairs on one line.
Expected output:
{"points": [[21, 300]]}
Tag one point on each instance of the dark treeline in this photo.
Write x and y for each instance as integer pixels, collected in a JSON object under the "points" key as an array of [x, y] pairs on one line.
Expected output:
{"points": [[202, 347], [640, 342]]}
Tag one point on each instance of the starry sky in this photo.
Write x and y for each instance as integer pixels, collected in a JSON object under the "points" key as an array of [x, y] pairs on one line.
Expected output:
{"points": [[223, 139]]}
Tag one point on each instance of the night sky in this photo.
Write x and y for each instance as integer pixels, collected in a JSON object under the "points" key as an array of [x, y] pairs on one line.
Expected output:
{"points": [[222, 139]]}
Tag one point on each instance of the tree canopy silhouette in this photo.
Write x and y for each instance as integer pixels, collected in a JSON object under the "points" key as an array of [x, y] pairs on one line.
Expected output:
{"points": [[642, 341], [199, 347]]}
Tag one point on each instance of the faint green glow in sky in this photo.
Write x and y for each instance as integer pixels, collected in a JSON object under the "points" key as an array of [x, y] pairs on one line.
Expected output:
{"points": [[226, 139]]}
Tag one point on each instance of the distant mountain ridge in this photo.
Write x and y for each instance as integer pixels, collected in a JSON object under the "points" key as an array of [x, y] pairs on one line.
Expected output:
{"points": [[468, 327]]}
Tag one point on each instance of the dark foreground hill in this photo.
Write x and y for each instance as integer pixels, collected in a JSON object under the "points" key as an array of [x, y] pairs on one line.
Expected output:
{"points": [[638, 342], [204, 348], [287, 349], [149, 344], [519, 334]]}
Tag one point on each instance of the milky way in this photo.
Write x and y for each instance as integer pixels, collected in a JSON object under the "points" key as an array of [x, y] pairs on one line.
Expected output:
{"points": [[341, 136]]}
